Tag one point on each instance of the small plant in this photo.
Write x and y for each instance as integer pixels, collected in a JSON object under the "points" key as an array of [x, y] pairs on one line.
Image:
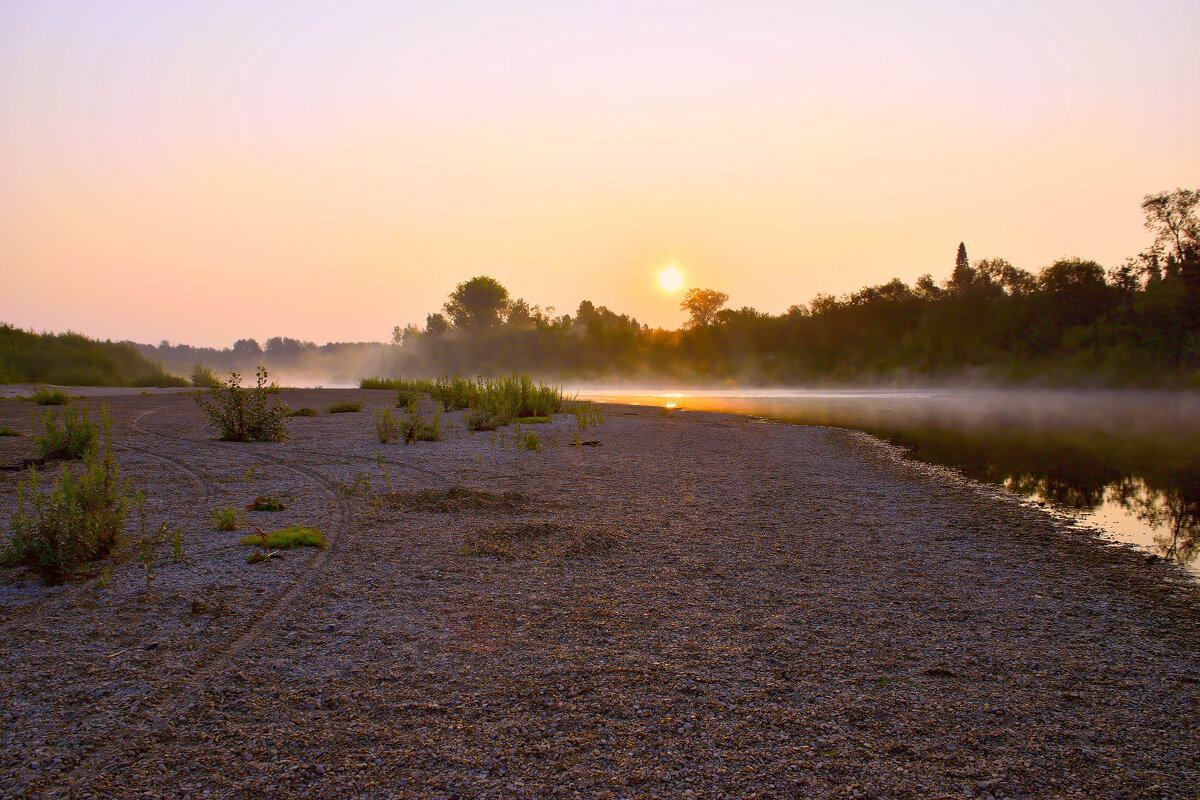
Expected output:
{"points": [[176, 545], [105, 579], [243, 415], [407, 398], [388, 428], [79, 520], [266, 504], [387, 473], [306, 411], [347, 490], [531, 442], [146, 393], [587, 414], [7, 431], [227, 519], [75, 438], [345, 406], [414, 428], [286, 539], [203, 377], [45, 396]]}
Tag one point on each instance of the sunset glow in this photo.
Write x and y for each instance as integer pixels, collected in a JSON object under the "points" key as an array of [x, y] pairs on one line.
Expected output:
{"points": [[329, 171], [670, 278]]}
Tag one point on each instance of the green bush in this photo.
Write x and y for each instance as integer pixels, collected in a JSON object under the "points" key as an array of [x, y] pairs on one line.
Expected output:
{"points": [[7, 431], [78, 521], [287, 539], [227, 519], [387, 427], [532, 442], [73, 439], [45, 396], [453, 393], [306, 411], [345, 406], [243, 415], [412, 427], [203, 377]]}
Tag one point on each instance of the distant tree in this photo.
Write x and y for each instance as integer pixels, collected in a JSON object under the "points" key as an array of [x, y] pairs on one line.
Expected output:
{"points": [[410, 334], [397, 335], [247, 348], [703, 305], [963, 276], [1172, 218], [436, 324], [477, 303], [519, 314]]}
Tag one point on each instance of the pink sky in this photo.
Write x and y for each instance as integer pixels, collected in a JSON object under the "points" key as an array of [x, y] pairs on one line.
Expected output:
{"points": [[204, 172]]}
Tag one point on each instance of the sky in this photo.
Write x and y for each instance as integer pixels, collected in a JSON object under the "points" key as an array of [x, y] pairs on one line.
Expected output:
{"points": [[203, 172]]}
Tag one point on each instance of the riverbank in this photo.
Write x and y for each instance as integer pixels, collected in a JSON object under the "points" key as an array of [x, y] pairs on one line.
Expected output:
{"points": [[700, 605]]}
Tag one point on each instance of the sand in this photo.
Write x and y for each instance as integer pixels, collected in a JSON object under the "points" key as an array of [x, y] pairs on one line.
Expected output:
{"points": [[701, 606]]}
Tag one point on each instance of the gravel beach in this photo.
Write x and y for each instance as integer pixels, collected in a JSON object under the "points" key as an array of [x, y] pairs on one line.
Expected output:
{"points": [[697, 606]]}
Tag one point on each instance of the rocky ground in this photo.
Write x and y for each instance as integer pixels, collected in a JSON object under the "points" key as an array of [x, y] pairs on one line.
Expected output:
{"points": [[700, 606]]}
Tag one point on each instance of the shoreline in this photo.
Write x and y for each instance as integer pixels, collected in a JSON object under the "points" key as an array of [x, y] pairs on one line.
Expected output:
{"points": [[702, 603]]}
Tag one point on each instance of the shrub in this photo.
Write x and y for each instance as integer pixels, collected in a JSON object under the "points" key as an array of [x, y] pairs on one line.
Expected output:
{"points": [[587, 414], [266, 504], [406, 398], [345, 406], [203, 377], [227, 519], [75, 438], [243, 415], [453, 393], [478, 419], [388, 428], [532, 442], [7, 431], [412, 427], [45, 396], [78, 521], [306, 411], [286, 539]]}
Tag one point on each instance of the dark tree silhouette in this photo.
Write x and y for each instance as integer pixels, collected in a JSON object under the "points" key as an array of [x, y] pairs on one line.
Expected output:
{"points": [[703, 305], [477, 303]]}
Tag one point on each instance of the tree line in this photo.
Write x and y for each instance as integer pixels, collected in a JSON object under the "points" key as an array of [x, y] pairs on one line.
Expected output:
{"points": [[1134, 323]]}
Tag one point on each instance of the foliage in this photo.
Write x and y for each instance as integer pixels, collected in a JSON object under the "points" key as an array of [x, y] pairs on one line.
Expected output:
{"points": [[586, 413], [6, 431], [79, 520], [262, 503], [71, 359], [477, 303], [45, 396], [703, 305], [73, 439], [286, 539], [306, 411], [243, 415], [345, 406], [531, 441], [227, 519], [387, 427], [203, 377]]}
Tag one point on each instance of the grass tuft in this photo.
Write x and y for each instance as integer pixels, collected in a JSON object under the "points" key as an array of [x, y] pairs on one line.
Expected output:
{"points": [[227, 519], [286, 539], [7, 431], [306, 411], [45, 396], [345, 406], [74, 439]]}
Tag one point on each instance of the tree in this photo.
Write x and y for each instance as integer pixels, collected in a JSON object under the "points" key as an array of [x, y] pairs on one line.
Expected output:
{"points": [[1172, 218], [703, 305], [436, 324], [963, 276], [477, 303]]}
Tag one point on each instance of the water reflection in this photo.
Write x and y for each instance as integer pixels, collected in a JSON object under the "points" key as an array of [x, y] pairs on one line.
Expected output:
{"points": [[1126, 462]]}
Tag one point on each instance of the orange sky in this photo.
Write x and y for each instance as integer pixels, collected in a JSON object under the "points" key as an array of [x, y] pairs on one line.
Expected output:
{"points": [[206, 173]]}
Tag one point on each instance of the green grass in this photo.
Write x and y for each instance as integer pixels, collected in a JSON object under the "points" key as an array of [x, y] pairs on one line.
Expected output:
{"points": [[227, 519], [286, 539], [45, 396], [306, 411], [345, 406], [7, 431]]}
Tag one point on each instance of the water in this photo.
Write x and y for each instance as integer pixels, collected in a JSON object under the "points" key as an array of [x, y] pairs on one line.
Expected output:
{"points": [[1125, 463]]}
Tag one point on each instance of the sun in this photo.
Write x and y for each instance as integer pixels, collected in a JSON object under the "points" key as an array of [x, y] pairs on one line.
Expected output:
{"points": [[670, 278]]}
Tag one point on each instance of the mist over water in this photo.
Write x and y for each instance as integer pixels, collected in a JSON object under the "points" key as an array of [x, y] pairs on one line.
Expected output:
{"points": [[1125, 462]]}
